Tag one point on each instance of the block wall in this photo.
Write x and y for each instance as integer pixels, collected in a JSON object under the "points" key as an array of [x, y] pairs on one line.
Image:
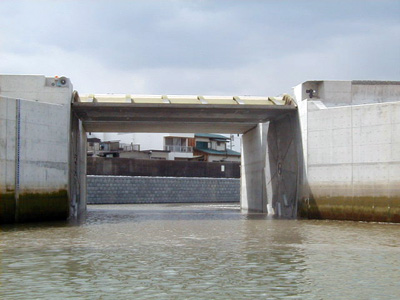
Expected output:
{"points": [[138, 189]]}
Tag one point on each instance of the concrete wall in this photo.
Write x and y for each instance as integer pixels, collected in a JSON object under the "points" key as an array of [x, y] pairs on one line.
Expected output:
{"points": [[217, 158], [34, 148], [134, 155], [351, 142], [139, 167], [127, 189]]}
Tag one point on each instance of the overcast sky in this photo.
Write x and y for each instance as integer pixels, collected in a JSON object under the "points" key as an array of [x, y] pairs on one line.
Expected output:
{"points": [[200, 47]]}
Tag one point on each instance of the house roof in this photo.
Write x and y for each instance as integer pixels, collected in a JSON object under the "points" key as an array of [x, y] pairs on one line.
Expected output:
{"points": [[110, 142], [216, 152], [155, 150], [211, 136], [94, 140]]}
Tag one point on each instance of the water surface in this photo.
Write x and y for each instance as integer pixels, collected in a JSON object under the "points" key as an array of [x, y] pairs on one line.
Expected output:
{"points": [[198, 252]]}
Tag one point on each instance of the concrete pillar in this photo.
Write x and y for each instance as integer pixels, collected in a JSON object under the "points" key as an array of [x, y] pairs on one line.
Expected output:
{"points": [[77, 168], [253, 196], [270, 167], [282, 166]]}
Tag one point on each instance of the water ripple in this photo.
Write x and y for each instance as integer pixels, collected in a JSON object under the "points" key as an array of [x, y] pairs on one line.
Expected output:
{"points": [[198, 252]]}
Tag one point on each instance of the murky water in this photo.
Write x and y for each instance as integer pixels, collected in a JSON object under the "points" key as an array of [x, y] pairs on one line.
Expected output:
{"points": [[198, 252]]}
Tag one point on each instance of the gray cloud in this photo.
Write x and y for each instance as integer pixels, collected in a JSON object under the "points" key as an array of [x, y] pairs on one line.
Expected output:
{"points": [[241, 47]]}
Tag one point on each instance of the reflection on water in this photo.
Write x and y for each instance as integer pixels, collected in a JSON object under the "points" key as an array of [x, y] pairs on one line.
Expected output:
{"points": [[199, 252]]}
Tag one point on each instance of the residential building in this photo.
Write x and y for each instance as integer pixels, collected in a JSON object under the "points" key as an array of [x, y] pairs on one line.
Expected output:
{"points": [[149, 141], [180, 147], [214, 148], [93, 146], [199, 147]]}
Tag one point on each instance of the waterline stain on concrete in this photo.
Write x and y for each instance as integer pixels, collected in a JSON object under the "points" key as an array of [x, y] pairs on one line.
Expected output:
{"points": [[7, 207], [371, 209], [33, 207]]}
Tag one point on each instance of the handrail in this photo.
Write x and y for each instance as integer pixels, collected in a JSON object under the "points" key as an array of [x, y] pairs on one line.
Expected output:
{"points": [[185, 149]]}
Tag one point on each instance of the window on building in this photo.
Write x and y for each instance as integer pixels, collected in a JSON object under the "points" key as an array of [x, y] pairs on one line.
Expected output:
{"points": [[201, 145], [176, 144]]}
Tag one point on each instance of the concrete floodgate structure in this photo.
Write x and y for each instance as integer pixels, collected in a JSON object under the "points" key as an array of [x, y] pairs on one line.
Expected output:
{"points": [[35, 115], [351, 146], [333, 152]]}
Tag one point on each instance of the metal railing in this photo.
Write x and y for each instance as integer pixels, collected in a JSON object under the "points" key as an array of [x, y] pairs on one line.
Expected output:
{"points": [[185, 149], [131, 147]]}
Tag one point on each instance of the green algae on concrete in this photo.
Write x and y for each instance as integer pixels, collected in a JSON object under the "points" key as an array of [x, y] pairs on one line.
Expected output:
{"points": [[34, 207], [371, 209]]}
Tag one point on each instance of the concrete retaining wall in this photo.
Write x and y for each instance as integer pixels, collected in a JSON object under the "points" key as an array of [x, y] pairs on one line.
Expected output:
{"points": [[129, 189]]}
